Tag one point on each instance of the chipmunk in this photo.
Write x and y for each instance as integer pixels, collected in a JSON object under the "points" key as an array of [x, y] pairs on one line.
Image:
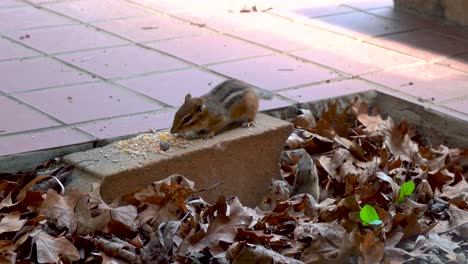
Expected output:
{"points": [[230, 103], [306, 177]]}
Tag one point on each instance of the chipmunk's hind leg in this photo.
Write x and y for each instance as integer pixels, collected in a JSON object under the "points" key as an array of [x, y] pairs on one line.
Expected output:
{"points": [[246, 109]]}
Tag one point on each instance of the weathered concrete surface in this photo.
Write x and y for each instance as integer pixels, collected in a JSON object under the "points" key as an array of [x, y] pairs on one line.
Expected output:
{"points": [[454, 11], [30, 160], [244, 160]]}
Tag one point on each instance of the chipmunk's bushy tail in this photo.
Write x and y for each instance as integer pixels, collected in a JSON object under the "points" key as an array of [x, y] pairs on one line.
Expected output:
{"points": [[264, 94]]}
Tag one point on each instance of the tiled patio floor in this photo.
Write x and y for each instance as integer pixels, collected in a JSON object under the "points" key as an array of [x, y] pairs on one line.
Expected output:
{"points": [[74, 71]]}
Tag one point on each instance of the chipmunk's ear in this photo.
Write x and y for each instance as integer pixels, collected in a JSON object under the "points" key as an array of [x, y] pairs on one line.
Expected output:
{"points": [[188, 97], [199, 104]]}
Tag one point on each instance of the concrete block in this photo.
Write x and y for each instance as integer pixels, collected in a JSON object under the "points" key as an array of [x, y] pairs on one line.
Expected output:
{"points": [[453, 11], [456, 11], [244, 160]]}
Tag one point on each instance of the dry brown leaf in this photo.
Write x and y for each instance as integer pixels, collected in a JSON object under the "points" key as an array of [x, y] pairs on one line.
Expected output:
{"points": [[223, 228], [458, 222], [59, 210], [175, 189], [305, 120], [7, 202], [398, 140], [371, 122], [11, 222], [90, 221], [115, 249], [294, 141], [240, 253], [329, 243], [372, 248], [52, 249]]}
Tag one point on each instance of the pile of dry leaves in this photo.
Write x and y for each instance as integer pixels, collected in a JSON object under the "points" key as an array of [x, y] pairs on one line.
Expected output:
{"points": [[359, 160]]}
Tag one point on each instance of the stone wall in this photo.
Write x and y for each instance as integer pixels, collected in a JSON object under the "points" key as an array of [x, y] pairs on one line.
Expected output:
{"points": [[454, 11]]}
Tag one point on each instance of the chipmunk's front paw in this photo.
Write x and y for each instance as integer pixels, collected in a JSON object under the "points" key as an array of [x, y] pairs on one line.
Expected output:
{"points": [[208, 136], [248, 124]]}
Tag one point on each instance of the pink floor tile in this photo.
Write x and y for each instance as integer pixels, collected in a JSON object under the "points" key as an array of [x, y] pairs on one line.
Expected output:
{"points": [[129, 125], [21, 75], [10, 50], [327, 90], [360, 25], [87, 102], [91, 10], [65, 39], [457, 62], [461, 106], [122, 61], [16, 117], [11, 3], [161, 6], [179, 83], [28, 17], [425, 44], [352, 56], [311, 9], [366, 4], [209, 48], [274, 103], [149, 28], [426, 82], [47, 139], [266, 29], [274, 72], [271, 40]]}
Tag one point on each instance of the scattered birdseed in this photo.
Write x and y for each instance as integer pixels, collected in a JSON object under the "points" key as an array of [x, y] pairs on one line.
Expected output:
{"points": [[153, 142]]}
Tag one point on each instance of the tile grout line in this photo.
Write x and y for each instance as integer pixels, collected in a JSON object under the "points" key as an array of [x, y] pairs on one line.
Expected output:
{"points": [[102, 79], [274, 51], [198, 66], [366, 41], [123, 38], [418, 98], [454, 100], [59, 126], [90, 122]]}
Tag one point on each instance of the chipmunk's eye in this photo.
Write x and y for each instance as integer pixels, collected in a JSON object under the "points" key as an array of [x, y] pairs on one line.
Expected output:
{"points": [[187, 119]]}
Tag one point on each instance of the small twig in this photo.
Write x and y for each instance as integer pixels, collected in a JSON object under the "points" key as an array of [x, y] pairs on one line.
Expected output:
{"points": [[209, 188], [451, 229], [185, 216], [60, 184]]}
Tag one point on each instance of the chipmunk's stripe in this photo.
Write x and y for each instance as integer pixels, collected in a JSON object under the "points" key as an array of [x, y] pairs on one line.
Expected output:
{"points": [[232, 98], [220, 86], [226, 88]]}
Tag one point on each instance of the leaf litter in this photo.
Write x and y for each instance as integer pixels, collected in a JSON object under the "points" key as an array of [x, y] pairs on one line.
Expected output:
{"points": [[337, 170]]}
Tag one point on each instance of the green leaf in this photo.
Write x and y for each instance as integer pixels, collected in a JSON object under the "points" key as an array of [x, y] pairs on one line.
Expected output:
{"points": [[406, 190], [369, 215]]}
